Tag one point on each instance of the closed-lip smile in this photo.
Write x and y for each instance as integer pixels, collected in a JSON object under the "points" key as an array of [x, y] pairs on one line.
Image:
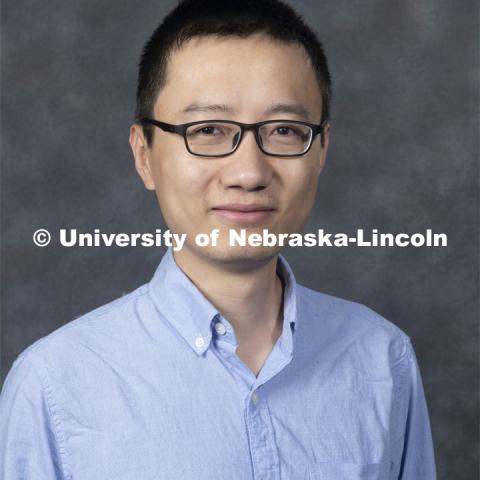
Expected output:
{"points": [[244, 213], [241, 207]]}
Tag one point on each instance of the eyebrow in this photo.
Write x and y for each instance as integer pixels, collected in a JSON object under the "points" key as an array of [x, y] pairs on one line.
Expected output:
{"points": [[292, 108], [206, 107]]}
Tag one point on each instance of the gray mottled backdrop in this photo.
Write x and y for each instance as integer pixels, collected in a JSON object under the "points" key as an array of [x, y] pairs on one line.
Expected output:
{"points": [[403, 157]]}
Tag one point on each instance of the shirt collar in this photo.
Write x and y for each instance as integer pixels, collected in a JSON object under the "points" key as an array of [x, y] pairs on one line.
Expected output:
{"points": [[186, 308]]}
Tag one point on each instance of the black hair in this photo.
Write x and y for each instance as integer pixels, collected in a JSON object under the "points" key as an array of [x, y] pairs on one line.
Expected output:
{"points": [[223, 18]]}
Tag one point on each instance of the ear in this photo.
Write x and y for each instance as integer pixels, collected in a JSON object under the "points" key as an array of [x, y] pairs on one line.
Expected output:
{"points": [[141, 153], [326, 141]]}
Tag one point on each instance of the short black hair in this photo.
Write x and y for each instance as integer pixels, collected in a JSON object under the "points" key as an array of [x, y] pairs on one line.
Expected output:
{"points": [[223, 18]]}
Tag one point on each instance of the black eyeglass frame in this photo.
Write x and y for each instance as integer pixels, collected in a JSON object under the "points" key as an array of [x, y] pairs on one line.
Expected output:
{"points": [[181, 129]]}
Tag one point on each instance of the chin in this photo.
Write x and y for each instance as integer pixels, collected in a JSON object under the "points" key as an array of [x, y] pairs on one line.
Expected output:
{"points": [[240, 256]]}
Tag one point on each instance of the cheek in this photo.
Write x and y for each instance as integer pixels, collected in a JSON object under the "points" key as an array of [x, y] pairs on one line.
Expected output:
{"points": [[303, 180], [302, 187], [180, 184]]}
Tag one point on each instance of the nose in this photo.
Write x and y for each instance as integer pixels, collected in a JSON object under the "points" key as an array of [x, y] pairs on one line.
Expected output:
{"points": [[248, 167]]}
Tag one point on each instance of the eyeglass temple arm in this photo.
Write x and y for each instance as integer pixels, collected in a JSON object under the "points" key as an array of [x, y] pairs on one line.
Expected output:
{"points": [[167, 127], [319, 128]]}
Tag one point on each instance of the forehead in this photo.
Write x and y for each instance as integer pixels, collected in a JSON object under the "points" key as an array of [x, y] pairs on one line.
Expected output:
{"points": [[247, 75]]}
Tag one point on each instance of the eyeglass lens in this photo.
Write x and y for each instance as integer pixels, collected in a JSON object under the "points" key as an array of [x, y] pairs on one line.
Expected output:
{"points": [[278, 138]]}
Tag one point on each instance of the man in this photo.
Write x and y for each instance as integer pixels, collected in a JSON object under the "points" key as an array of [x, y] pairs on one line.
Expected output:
{"points": [[222, 366]]}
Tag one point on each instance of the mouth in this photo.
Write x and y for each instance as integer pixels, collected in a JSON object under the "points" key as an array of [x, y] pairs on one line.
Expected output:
{"points": [[246, 214]]}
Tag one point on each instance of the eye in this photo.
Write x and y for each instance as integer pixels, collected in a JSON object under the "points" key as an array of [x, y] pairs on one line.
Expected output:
{"points": [[209, 131], [284, 130], [288, 131]]}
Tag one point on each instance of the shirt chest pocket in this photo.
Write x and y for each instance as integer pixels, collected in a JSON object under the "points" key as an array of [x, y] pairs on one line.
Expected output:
{"points": [[347, 471]]}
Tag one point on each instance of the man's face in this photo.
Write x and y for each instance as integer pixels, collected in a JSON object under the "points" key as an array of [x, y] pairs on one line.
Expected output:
{"points": [[248, 76]]}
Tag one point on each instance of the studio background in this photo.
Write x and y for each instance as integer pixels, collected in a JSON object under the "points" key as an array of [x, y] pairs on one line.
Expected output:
{"points": [[403, 158]]}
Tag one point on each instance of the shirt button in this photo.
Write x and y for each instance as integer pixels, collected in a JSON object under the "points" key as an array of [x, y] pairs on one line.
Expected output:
{"points": [[220, 328], [199, 342], [254, 398]]}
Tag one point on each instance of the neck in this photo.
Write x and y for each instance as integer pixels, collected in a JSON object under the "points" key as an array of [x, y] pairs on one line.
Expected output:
{"points": [[251, 299]]}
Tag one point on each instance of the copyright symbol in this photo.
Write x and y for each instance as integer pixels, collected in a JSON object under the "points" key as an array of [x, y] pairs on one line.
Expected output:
{"points": [[41, 238]]}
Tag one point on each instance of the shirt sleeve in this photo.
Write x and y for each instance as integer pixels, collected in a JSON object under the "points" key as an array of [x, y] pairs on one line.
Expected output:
{"points": [[416, 448], [28, 441]]}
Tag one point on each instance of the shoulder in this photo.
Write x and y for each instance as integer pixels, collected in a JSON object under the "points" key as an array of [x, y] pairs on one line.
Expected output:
{"points": [[101, 327], [374, 343]]}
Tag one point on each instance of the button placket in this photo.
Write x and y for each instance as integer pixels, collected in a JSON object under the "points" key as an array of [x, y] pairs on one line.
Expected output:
{"points": [[263, 450]]}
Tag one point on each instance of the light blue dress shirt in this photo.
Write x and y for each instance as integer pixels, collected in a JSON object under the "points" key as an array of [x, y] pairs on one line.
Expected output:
{"points": [[148, 387]]}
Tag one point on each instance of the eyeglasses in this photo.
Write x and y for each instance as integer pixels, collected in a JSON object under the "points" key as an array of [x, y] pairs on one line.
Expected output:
{"points": [[218, 138]]}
